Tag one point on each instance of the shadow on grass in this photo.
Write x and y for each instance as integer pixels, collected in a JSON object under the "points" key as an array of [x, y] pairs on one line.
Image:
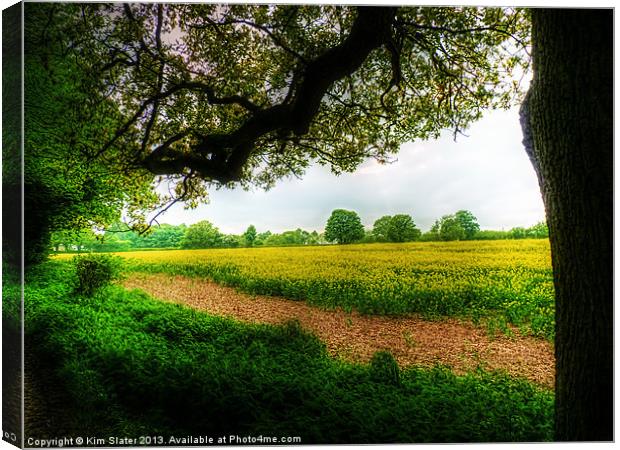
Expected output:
{"points": [[134, 365]]}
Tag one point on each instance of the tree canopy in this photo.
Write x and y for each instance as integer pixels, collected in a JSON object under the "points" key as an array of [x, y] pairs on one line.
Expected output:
{"points": [[380, 228], [402, 228], [397, 228], [202, 234], [454, 227], [344, 227], [468, 222], [227, 94], [250, 235], [69, 183]]}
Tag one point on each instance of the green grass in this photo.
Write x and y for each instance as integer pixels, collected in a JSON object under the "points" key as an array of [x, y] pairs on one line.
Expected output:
{"points": [[138, 365]]}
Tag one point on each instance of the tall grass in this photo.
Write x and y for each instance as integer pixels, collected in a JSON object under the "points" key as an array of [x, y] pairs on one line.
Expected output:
{"points": [[141, 366]]}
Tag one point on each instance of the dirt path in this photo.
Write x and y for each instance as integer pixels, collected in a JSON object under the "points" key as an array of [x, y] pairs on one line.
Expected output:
{"points": [[356, 337]]}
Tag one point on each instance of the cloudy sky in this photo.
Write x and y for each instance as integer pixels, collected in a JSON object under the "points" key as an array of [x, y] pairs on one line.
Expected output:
{"points": [[487, 172]]}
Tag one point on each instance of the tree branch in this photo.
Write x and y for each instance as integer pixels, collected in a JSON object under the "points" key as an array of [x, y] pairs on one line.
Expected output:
{"points": [[453, 31], [276, 40], [221, 157]]}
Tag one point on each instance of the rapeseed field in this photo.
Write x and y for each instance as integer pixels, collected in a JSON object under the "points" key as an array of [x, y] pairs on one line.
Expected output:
{"points": [[507, 285]]}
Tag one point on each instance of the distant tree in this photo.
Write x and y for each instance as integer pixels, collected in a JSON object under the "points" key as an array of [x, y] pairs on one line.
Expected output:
{"points": [[261, 238], [111, 242], [468, 222], [344, 227], [540, 230], [71, 240], [448, 228], [84, 240], [429, 236], [537, 231], [402, 228], [167, 236], [292, 237], [250, 236], [488, 235], [369, 237], [380, 228], [59, 240], [160, 236], [232, 241], [273, 239], [518, 233], [314, 238], [202, 234]]}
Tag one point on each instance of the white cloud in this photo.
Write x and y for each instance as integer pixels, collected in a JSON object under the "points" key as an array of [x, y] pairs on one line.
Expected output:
{"points": [[487, 173]]}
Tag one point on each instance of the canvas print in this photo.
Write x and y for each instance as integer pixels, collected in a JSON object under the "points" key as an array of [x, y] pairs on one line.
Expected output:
{"points": [[291, 224]]}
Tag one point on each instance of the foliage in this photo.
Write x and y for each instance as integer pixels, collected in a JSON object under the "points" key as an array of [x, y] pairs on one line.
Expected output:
{"points": [[232, 241], [250, 236], [402, 229], [468, 223], [448, 228], [202, 234], [518, 233], [72, 240], [455, 227], [159, 236], [380, 228], [135, 366], [119, 238], [112, 242], [344, 227], [495, 281], [398, 228], [95, 272], [67, 186], [540, 230], [292, 84], [384, 368], [292, 237], [488, 235]]}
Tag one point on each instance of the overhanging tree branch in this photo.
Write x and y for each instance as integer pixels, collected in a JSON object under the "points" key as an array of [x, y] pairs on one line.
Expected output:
{"points": [[221, 156]]}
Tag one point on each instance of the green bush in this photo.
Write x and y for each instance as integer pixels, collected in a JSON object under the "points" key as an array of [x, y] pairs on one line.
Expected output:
{"points": [[384, 368], [95, 271]]}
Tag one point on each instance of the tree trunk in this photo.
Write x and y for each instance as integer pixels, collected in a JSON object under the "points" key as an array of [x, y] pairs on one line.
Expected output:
{"points": [[568, 128]]}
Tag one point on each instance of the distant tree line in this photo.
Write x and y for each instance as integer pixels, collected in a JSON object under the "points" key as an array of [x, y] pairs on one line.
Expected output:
{"points": [[342, 227], [202, 234], [345, 227]]}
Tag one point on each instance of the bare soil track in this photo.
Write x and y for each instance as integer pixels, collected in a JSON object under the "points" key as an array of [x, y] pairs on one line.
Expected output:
{"points": [[355, 337]]}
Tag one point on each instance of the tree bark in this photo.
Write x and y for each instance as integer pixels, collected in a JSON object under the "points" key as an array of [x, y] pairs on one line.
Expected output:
{"points": [[568, 129]]}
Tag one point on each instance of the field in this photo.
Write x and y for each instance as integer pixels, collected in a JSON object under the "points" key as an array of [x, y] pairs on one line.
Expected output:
{"points": [[498, 282], [121, 362]]}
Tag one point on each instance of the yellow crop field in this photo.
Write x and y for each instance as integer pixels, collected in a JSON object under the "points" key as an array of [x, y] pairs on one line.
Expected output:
{"points": [[502, 282]]}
